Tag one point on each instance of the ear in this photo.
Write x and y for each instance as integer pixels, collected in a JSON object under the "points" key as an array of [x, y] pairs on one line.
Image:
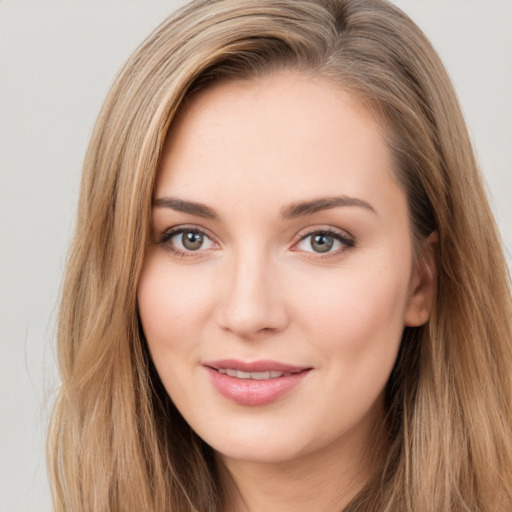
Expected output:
{"points": [[423, 283]]}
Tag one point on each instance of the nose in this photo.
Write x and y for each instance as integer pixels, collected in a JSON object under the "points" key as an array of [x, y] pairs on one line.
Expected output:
{"points": [[252, 300]]}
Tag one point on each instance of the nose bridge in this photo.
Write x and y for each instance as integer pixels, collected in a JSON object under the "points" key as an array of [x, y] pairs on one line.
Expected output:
{"points": [[252, 301]]}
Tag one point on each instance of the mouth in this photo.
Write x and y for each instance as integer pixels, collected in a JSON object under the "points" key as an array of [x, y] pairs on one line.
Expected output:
{"points": [[257, 370], [239, 374], [254, 383]]}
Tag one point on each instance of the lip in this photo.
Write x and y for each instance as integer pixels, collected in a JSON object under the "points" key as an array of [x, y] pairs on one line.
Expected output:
{"points": [[250, 391], [255, 366]]}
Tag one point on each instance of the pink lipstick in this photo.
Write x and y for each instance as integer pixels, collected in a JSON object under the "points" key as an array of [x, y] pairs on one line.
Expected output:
{"points": [[254, 383]]}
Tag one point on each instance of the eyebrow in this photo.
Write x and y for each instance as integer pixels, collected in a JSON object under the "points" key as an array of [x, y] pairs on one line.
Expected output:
{"points": [[191, 207], [302, 208], [298, 209]]}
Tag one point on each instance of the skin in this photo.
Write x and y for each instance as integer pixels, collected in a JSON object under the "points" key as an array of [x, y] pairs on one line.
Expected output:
{"points": [[257, 289]]}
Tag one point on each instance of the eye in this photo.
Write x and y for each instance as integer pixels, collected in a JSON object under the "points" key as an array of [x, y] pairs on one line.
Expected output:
{"points": [[186, 240], [325, 242]]}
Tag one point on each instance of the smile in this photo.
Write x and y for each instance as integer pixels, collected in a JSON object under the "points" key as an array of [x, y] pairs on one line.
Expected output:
{"points": [[238, 374], [255, 384]]}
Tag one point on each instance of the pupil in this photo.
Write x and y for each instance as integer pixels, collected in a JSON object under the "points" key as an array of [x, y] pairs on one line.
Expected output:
{"points": [[322, 243], [192, 241]]}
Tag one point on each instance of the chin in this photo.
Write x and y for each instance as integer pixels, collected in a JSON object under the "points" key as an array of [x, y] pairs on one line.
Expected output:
{"points": [[261, 453], [271, 445]]}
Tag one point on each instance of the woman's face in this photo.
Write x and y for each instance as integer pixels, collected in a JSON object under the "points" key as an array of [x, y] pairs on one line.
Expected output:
{"points": [[280, 275]]}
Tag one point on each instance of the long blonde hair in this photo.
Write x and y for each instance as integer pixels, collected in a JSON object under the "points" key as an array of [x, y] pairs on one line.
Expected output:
{"points": [[116, 441]]}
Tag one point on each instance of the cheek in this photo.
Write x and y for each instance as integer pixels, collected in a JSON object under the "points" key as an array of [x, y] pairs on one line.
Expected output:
{"points": [[354, 323], [170, 304], [356, 311]]}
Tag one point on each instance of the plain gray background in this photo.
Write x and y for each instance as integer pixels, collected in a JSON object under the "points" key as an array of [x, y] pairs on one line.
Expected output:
{"points": [[57, 59]]}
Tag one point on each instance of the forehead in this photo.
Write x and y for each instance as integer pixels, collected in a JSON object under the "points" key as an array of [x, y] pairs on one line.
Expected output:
{"points": [[290, 132]]}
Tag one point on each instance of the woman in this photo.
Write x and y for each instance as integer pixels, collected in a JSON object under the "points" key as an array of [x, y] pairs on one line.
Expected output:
{"points": [[286, 289]]}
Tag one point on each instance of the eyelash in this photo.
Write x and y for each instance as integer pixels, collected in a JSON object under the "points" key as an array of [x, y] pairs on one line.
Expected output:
{"points": [[346, 240]]}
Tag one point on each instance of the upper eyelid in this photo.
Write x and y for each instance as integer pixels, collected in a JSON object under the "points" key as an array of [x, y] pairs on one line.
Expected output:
{"points": [[174, 230], [324, 229]]}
